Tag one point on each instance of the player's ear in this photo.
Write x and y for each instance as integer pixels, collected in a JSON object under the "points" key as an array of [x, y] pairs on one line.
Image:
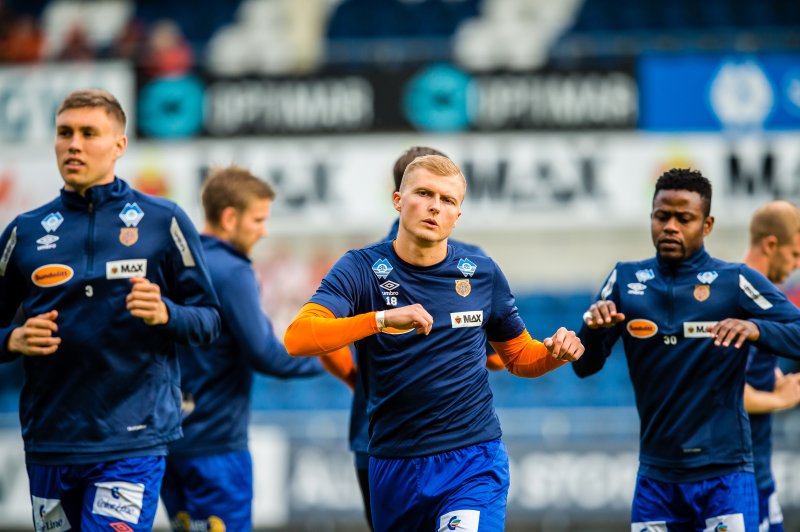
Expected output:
{"points": [[228, 218], [396, 201], [769, 244], [708, 225]]}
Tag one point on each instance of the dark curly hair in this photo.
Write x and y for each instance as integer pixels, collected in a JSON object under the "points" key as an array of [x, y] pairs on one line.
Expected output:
{"points": [[686, 179]]}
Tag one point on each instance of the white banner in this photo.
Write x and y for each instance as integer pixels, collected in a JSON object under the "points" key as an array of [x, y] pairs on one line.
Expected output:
{"points": [[516, 181], [30, 95]]}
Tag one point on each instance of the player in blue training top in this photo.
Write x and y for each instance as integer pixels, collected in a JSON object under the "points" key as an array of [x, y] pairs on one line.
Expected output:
{"points": [[774, 252], [684, 318], [208, 484], [109, 281], [359, 433], [419, 312]]}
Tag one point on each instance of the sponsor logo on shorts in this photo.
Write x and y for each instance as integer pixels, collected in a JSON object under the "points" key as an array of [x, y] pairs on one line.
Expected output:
{"points": [[698, 329], [121, 500], [470, 318], [463, 520], [46, 242], [640, 328], [126, 269], [51, 275], [48, 515], [119, 526]]}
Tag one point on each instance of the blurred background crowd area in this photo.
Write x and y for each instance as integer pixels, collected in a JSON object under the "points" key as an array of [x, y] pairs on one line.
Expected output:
{"points": [[237, 37], [562, 115]]}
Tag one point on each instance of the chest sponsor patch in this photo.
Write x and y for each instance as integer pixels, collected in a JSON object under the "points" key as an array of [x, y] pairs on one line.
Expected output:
{"points": [[697, 329], [126, 269], [51, 275], [469, 318], [640, 328], [122, 500], [49, 515]]}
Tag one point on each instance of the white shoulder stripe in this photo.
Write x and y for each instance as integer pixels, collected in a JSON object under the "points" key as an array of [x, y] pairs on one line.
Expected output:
{"points": [[6, 256], [753, 294], [181, 244], [606, 291]]}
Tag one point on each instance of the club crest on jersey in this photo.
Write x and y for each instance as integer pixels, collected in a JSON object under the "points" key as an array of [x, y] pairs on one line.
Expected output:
{"points": [[702, 292], [467, 267], [645, 275], [382, 268], [47, 242], [128, 236], [707, 277], [462, 287], [52, 221], [131, 215], [636, 289]]}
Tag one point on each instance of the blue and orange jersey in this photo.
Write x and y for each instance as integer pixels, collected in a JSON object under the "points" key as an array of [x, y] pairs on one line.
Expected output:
{"points": [[426, 393]]}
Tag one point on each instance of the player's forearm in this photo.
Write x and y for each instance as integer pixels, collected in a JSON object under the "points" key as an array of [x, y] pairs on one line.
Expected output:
{"points": [[762, 402], [525, 357], [192, 325], [340, 364], [316, 331]]}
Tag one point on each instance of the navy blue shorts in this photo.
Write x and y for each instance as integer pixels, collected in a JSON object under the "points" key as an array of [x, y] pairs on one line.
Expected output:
{"points": [[209, 492], [770, 516], [119, 496], [727, 503], [454, 490]]}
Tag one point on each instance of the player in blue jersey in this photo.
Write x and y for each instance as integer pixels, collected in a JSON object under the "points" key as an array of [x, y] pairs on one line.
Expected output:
{"points": [[359, 434], [419, 311], [108, 281], [774, 251], [209, 476], [685, 319]]}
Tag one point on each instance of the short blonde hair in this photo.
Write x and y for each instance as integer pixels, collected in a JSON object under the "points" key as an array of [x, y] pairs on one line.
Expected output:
{"points": [[438, 165], [777, 218]]}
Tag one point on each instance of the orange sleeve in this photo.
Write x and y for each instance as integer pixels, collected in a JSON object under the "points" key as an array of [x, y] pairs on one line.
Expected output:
{"points": [[525, 357], [494, 362], [340, 364], [316, 331]]}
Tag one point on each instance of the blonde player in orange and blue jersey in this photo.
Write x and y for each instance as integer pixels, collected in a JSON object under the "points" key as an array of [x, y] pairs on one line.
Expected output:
{"points": [[437, 460]]}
